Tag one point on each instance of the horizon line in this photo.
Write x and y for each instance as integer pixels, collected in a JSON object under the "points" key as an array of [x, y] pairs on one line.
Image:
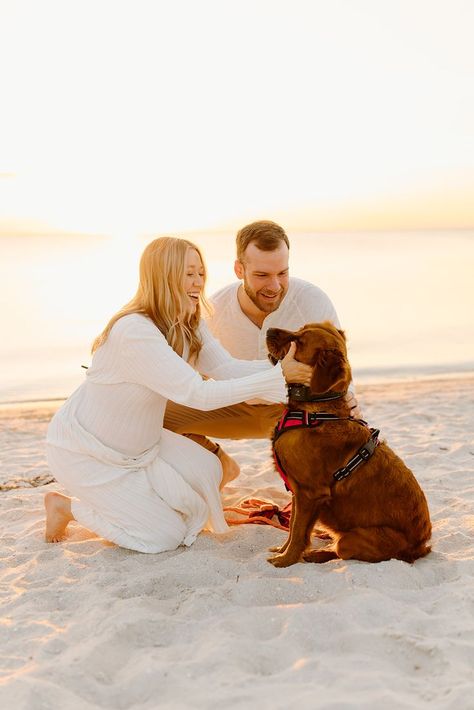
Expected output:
{"points": [[54, 233]]}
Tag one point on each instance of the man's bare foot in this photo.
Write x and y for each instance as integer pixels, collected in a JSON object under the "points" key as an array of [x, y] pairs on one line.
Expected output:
{"points": [[230, 468], [58, 515]]}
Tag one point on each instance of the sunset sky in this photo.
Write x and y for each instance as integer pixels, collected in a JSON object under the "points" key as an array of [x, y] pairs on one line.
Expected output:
{"points": [[128, 117]]}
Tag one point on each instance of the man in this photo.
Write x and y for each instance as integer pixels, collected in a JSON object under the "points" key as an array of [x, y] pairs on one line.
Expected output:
{"points": [[266, 297]]}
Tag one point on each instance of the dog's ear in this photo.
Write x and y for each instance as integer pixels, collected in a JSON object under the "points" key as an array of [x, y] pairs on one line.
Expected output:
{"points": [[329, 369], [278, 343], [328, 325], [281, 335]]}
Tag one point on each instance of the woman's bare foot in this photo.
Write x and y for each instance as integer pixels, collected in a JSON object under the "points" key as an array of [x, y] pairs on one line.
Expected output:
{"points": [[58, 515], [230, 467]]}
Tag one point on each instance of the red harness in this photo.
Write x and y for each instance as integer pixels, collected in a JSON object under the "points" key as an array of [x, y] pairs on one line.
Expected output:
{"points": [[298, 418]]}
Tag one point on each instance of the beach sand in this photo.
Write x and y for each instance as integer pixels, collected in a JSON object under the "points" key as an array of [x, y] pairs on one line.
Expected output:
{"points": [[85, 624]]}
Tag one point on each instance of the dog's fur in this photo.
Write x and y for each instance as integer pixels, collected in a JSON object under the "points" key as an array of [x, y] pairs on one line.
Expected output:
{"points": [[379, 511]]}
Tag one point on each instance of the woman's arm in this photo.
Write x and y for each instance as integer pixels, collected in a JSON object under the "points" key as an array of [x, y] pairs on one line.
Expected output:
{"points": [[144, 357], [215, 361]]}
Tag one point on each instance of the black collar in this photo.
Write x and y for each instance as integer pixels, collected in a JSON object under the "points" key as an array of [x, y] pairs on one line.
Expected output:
{"points": [[302, 393]]}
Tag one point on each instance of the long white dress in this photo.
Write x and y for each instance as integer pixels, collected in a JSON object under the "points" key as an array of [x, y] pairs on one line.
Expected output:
{"points": [[133, 482]]}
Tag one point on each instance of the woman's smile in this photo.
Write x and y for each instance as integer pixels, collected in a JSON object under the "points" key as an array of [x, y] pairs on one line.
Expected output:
{"points": [[194, 296], [194, 277]]}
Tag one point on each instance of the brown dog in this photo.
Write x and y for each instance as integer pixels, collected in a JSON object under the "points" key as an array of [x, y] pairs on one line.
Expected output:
{"points": [[375, 513]]}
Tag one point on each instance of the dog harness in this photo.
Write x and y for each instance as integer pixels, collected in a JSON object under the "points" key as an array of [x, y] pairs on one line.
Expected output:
{"points": [[297, 418]]}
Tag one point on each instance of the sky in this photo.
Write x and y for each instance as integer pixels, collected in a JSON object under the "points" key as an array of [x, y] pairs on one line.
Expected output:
{"points": [[126, 117]]}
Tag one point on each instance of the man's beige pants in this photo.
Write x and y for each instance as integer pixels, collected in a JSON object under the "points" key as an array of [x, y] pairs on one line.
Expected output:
{"points": [[241, 421]]}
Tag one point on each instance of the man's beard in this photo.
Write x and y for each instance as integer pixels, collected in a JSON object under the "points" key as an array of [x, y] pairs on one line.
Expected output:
{"points": [[267, 306]]}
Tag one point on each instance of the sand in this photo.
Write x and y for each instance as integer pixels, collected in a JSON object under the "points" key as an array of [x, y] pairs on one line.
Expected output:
{"points": [[85, 624]]}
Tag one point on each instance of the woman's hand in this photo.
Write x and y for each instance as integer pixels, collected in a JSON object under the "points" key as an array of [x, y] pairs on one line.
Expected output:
{"points": [[295, 372]]}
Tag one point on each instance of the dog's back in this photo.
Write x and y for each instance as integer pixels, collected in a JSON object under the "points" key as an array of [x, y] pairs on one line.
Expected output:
{"points": [[383, 492]]}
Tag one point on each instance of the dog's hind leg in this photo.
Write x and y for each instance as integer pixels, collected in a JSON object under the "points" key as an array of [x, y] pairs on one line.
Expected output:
{"points": [[374, 544], [320, 556]]}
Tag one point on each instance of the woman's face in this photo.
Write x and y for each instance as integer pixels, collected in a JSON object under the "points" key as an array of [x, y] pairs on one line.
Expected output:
{"points": [[193, 277]]}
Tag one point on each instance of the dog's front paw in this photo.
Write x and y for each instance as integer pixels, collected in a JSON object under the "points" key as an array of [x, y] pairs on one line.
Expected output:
{"points": [[283, 560], [278, 548]]}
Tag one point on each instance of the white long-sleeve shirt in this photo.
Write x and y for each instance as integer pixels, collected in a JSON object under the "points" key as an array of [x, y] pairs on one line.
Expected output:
{"points": [[121, 404], [303, 303]]}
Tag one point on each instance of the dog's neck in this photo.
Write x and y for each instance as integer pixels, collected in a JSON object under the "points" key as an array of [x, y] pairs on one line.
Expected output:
{"points": [[302, 393], [300, 397]]}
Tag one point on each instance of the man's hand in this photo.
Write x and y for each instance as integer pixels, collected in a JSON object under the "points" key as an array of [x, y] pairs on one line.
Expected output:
{"points": [[353, 406], [293, 371]]}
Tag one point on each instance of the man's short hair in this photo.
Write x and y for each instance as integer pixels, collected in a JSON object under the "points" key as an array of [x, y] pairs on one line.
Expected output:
{"points": [[266, 235]]}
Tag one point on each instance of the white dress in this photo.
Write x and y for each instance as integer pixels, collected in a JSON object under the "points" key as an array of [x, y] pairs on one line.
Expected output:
{"points": [[133, 482]]}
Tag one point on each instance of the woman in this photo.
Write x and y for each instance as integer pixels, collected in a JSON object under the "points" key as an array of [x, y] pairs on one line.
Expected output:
{"points": [[134, 483]]}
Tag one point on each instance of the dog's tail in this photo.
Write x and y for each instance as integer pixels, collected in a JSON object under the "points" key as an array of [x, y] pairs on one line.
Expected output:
{"points": [[414, 553], [419, 534]]}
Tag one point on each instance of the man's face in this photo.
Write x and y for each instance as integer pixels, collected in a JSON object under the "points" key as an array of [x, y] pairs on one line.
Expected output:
{"points": [[265, 276]]}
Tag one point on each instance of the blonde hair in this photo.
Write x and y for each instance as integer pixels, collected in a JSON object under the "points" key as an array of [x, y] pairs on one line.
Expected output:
{"points": [[161, 296]]}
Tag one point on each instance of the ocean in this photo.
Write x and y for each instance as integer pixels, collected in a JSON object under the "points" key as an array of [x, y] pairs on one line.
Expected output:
{"points": [[405, 300]]}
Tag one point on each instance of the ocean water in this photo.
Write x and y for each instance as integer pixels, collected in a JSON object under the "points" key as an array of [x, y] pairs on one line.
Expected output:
{"points": [[406, 301]]}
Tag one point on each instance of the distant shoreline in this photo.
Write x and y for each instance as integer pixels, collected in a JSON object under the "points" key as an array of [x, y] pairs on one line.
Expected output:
{"points": [[388, 375], [443, 379]]}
